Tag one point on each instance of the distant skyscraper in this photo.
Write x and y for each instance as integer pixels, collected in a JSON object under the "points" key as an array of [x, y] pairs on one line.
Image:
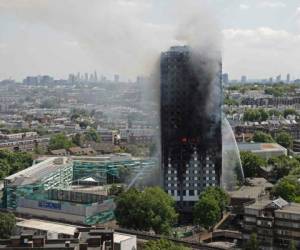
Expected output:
{"points": [[86, 77], [271, 79], [225, 78], [116, 78], [190, 136], [91, 77], [278, 78], [95, 76], [288, 78], [243, 79]]}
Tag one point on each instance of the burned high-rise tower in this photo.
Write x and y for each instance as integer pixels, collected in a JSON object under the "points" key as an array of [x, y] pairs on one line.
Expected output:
{"points": [[190, 124]]}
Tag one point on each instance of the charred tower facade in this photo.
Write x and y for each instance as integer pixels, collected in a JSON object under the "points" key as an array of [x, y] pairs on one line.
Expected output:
{"points": [[191, 140]]}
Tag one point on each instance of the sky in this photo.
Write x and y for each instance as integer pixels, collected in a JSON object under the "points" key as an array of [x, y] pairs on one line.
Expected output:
{"points": [[257, 38]]}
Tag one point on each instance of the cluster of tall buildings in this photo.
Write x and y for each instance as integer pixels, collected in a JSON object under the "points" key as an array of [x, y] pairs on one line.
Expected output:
{"points": [[34, 80], [244, 79], [86, 77]]}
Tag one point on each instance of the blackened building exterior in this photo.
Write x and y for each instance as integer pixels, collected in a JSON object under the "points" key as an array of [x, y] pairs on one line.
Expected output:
{"points": [[190, 131]]}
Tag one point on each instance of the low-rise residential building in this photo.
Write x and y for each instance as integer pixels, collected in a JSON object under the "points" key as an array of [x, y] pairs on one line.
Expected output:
{"points": [[276, 223], [76, 239]]}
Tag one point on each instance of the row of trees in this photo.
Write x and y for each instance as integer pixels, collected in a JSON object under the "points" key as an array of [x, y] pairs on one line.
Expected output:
{"points": [[61, 141], [7, 225], [288, 188], [282, 165], [260, 114], [285, 172], [282, 138], [153, 209]]}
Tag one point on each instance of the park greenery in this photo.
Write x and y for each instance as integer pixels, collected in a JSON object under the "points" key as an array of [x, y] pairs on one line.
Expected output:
{"points": [[12, 162], [274, 112], [289, 111], [260, 114], [7, 225], [283, 165], [260, 136], [251, 163], [151, 209], [209, 208], [285, 173], [60, 141], [282, 138], [82, 139], [288, 188], [230, 102], [163, 244], [255, 115]]}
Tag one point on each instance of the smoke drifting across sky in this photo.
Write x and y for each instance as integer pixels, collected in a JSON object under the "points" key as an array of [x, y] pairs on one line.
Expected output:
{"points": [[125, 36], [119, 36]]}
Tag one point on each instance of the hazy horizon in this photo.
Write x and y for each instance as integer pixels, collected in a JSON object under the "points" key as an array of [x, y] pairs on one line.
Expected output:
{"points": [[125, 37]]}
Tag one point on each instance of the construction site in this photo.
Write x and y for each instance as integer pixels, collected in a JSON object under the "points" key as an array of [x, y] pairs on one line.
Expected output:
{"points": [[71, 189]]}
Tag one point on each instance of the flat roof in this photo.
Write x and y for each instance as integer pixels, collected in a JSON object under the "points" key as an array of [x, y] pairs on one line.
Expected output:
{"points": [[118, 237], [250, 192], [48, 226], [259, 204], [260, 147], [293, 208], [37, 171]]}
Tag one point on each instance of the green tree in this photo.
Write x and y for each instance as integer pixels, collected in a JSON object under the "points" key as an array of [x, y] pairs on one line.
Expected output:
{"points": [[252, 243], [275, 91], [163, 244], [116, 189], [219, 195], [262, 137], [12, 162], [288, 112], [283, 165], [207, 211], [251, 163], [255, 115], [230, 102], [251, 115], [50, 103], [152, 209], [92, 135], [4, 168], [78, 139], [7, 224], [263, 114], [288, 188], [274, 112], [59, 141], [284, 139]]}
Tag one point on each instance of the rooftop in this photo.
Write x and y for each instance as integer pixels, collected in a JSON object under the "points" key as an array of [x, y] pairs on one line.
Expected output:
{"points": [[47, 226], [37, 171], [255, 147]]}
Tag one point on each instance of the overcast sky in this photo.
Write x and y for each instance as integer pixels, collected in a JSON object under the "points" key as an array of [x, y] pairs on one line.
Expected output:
{"points": [[57, 37]]}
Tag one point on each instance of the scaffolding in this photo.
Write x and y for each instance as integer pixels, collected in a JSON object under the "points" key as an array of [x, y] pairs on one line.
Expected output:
{"points": [[39, 182]]}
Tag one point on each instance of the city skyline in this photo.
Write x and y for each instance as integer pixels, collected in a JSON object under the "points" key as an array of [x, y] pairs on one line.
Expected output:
{"points": [[41, 38]]}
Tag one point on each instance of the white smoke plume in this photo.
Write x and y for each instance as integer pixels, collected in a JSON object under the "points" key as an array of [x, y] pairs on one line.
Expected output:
{"points": [[116, 35]]}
